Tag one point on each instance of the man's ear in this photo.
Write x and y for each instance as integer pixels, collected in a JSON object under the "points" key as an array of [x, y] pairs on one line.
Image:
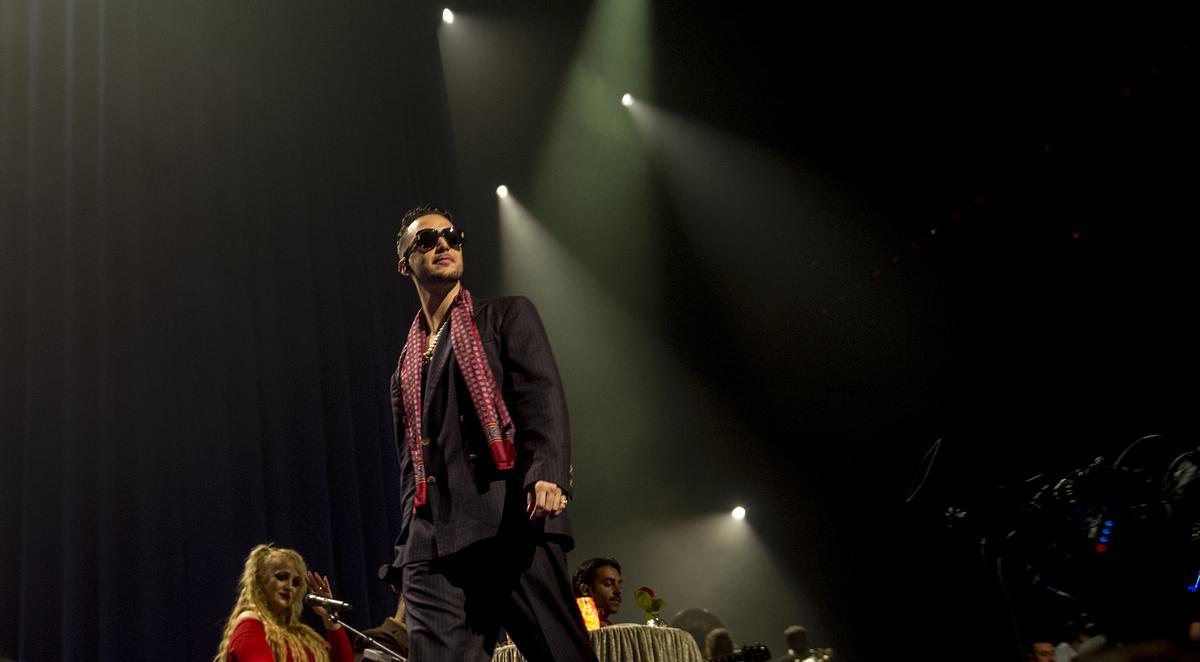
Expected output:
{"points": [[585, 590], [402, 267]]}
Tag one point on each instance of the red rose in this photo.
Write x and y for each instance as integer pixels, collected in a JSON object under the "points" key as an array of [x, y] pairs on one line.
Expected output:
{"points": [[647, 590]]}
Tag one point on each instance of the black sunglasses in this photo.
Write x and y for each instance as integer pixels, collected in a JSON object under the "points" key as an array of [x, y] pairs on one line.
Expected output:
{"points": [[428, 238]]}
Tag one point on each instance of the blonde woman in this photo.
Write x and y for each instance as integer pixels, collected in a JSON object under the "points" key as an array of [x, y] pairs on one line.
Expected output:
{"points": [[265, 623]]}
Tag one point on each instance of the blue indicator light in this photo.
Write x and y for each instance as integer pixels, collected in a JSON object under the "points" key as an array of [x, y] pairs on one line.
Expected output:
{"points": [[1106, 531], [1107, 522], [1103, 538]]}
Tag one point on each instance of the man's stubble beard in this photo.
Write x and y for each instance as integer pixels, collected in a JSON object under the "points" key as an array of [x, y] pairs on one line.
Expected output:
{"points": [[436, 278]]}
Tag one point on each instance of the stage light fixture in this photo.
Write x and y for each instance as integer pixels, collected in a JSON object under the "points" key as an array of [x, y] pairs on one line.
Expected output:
{"points": [[447, 16], [502, 191], [738, 513], [627, 100]]}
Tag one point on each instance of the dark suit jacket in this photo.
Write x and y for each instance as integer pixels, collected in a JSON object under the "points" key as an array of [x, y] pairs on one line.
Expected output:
{"points": [[469, 499]]}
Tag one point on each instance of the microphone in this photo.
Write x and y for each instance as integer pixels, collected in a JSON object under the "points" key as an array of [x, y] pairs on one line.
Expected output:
{"points": [[314, 600]]}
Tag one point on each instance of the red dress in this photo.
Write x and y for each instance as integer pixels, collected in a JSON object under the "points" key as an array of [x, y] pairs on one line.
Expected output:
{"points": [[249, 644]]}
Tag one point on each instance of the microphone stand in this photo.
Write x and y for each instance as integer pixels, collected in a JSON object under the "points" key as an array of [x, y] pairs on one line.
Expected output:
{"points": [[333, 616]]}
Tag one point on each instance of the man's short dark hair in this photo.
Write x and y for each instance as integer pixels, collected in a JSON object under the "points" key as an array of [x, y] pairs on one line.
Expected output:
{"points": [[411, 217], [586, 574]]}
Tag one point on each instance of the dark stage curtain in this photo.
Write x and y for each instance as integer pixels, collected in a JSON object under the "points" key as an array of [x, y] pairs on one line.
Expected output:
{"points": [[200, 311]]}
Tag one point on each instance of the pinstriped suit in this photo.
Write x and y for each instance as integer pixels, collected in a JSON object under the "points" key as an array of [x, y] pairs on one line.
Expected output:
{"points": [[472, 561]]}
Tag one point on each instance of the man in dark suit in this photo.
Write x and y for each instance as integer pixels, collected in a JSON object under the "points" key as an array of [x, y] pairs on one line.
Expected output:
{"points": [[481, 425]]}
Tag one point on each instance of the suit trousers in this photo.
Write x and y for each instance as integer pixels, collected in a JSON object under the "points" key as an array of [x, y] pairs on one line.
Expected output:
{"points": [[457, 604]]}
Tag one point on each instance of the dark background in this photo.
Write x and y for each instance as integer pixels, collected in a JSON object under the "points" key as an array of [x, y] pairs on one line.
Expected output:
{"points": [[977, 227]]}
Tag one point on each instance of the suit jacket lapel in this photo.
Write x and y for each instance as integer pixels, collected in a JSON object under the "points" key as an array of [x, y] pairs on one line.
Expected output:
{"points": [[437, 367]]}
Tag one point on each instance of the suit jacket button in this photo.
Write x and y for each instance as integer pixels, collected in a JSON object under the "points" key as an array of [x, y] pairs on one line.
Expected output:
{"points": [[431, 480], [472, 456], [424, 441]]}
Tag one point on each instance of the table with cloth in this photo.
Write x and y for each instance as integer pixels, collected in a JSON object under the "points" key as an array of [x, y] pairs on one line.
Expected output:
{"points": [[629, 642]]}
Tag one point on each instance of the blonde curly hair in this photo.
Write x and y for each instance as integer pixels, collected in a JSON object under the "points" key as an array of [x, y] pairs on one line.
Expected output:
{"points": [[285, 633]]}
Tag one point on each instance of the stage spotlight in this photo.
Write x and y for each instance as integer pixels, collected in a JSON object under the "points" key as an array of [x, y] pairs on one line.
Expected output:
{"points": [[502, 191], [447, 16], [627, 100], [738, 513]]}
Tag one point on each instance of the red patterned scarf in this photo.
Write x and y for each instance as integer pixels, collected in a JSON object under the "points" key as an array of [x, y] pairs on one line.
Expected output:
{"points": [[472, 362]]}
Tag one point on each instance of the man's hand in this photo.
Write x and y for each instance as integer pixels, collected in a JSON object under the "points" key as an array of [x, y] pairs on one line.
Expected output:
{"points": [[545, 498]]}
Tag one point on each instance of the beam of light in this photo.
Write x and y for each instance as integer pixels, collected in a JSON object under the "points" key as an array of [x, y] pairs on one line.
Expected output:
{"points": [[447, 16], [627, 100], [499, 103], [471, 62], [615, 369], [576, 308], [713, 562], [720, 185], [715, 180], [738, 513], [593, 181], [502, 191]]}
